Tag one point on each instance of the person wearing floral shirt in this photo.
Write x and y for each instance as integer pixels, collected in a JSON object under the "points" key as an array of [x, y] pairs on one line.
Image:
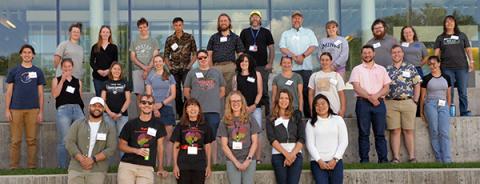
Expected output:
{"points": [[402, 103]]}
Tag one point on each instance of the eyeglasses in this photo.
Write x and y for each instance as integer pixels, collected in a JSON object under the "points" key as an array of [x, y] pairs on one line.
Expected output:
{"points": [[145, 102], [201, 58]]}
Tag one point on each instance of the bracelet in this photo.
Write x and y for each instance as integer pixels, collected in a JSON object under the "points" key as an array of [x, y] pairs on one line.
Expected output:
{"points": [[303, 55], [94, 159]]}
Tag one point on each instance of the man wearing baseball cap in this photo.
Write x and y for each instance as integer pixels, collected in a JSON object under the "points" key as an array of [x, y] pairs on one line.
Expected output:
{"points": [[90, 142], [300, 43]]}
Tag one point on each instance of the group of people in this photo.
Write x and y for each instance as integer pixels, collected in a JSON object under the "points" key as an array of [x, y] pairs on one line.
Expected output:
{"points": [[389, 85]]}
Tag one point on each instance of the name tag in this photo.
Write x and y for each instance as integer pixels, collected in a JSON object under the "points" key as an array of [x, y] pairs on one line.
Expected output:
{"points": [[376, 45], [337, 43], [70, 89], [252, 48], [101, 136], [406, 74], [454, 37], [199, 75], [251, 79], [192, 150], [223, 39], [405, 44], [32, 75], [289, 82], [236, 145], [152, 131], [442, 103], [333, 81], [174, 46]]}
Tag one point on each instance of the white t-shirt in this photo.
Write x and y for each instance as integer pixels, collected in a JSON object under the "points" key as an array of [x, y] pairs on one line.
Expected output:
{"points": [[328, 84], [94, 126]]}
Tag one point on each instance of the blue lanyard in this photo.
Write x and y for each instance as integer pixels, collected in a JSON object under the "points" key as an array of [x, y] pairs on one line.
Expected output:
{"points": [[254, 36]]}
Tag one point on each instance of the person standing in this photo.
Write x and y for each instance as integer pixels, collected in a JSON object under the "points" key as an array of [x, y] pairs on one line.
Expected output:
{"points": [[300, 43], [24, 106], [371, 83], [260, 44], [382, 43], [90, 141], [434, 102], [222, 47], [70, 49], [141, 139], [67, 91], [142, 51], [337, 46], [326, 141], [290, 81], [401, 103], [415, 51], [453, 47], [103, 54], [180, 54]]}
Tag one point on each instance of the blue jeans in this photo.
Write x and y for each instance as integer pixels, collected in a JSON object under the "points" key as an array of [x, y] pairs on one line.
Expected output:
{"points": [[460, 78], [98, 84], [439, 127], [375, 117], [305, 77], [321, 176], [119, 123], [238, 177], [419, 71], [290, 174], [66, 115], [213, 120]]}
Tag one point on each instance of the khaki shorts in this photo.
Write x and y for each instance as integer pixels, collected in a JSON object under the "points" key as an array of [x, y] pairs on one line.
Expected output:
{"points": [[138, 82], [401, 114]]}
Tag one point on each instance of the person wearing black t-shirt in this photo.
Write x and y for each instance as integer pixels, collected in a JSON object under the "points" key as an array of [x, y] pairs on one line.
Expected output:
{"points": [[141, 140], [103, 54], [191, 149]]}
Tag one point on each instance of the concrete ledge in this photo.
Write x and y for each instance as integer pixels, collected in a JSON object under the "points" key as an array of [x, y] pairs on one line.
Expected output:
{"points": [[404, 176]]}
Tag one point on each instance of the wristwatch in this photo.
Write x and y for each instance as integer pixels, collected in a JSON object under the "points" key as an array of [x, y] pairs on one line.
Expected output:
{"points": [[94, 159], [336, 159], [249, 158]]}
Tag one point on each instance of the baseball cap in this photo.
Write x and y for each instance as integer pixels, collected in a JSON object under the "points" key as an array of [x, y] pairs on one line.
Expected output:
{"points": [[97, 99], [256, 12], [297, 13]]}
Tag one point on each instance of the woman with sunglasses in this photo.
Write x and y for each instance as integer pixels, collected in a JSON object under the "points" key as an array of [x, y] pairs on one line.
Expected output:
{"points": [[103, 54]]}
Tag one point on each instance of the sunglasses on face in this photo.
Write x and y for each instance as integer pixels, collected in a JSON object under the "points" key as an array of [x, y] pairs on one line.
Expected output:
{"points": [[145, 102], [202, 58]]}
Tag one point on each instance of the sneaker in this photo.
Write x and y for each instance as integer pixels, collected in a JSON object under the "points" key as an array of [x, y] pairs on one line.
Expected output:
{"points": [[468, 113]]}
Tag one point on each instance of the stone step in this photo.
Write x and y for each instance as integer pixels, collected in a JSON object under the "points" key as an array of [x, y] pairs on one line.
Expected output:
{"points": [[464, 138]]}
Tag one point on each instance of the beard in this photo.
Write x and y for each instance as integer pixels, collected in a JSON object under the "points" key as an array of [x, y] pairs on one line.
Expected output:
{"points": [[380, 36], [94, 114], [223, 28], [367, 61]]}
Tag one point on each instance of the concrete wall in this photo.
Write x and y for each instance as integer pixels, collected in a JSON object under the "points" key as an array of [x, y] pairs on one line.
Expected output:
{"points": [[464, 137], [393, 176]]}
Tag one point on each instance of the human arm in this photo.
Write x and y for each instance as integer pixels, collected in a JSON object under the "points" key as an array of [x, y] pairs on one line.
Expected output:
{"points": [[208, 152], [258, 97], [159, 156], [133, 57], [271, 56], [229, 154], [422, 102], [175, 150], [123, 146], [8, 100], [40, 103], [300, 96], [343, 103]]}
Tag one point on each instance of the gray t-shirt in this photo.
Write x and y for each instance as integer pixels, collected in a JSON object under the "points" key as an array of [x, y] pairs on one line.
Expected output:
{"points": [[291, 84], [436, 86], [68, 49], [160, 87], [205, 87], [143, 49], [414, 52], [240, 133], [383, 53], [337, 47]]}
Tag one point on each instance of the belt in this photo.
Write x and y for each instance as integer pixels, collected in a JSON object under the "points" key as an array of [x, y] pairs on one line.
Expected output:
{"points": [[185, 146], [223, 63], [400, 99], [361, 98]]}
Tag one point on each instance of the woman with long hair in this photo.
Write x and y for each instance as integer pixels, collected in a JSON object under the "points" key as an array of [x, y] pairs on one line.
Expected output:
{"points": [[102, 55], [415, 51], [336, 45]]}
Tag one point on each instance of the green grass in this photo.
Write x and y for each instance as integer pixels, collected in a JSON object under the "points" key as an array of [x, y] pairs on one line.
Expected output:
{"points": [[260, 167]]}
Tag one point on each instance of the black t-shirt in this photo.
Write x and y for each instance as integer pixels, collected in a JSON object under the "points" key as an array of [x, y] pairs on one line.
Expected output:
{"points": [[116, 94], [248, 88], [185, 134], [452, 50], [263, 39], [136, 133]]}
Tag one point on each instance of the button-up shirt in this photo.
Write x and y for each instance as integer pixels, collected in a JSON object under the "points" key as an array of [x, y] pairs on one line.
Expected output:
{"points": [[224, 50], [404, 80], [179, 51], [298, 41], [371, 79]]}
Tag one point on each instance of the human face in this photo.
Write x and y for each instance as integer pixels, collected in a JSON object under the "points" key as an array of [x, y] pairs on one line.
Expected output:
{"points": [[146, 105], [321, 107], [283, 101], [143, 29], [367, 55], [244, 64], [434, 65], [397, 55], [96, 110], [286, 64], [75, 34], [332, 30], [378, 30], [202, 59], [224, 23], [236, 103], [450, 24], [325, 62], [105, 34], [116, 71], [255, 20], [67, 67], [27, 55], [178, 26], [192, 111], [158, 62], [408, 34], [297, 21]]}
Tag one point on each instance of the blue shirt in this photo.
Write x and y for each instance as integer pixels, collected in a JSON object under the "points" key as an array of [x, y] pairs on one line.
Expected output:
{"points": [[25, 86], [298, 42], [160, 87]]}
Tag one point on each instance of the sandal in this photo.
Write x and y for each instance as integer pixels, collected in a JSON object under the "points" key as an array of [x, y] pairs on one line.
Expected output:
{"points": [[395, 161], [259, 162], [412, 160]]}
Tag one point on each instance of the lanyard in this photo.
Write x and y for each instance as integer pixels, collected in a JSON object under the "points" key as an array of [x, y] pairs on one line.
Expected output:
{"points": [[254, 36]]}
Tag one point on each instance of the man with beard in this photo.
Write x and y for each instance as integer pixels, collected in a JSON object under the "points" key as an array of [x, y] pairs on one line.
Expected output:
{"points": [[222, 47], [141, 139], [382, 43], [371, 83], [300, 43], [90, 141], [257, 39]]}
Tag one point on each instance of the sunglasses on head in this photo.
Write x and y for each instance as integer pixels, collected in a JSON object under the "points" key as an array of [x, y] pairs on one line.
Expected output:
{"points": [[145, 102]]}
